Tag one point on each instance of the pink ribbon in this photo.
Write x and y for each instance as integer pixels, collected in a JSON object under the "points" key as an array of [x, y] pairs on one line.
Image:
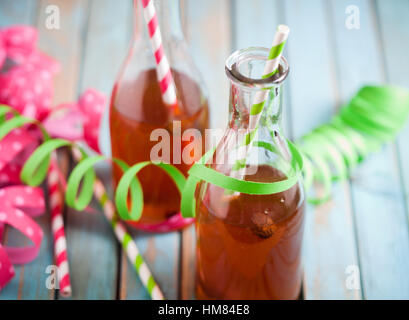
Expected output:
{"points": [[26, 77], [17, 205], [26, 84], [78, 121], [17, 42]]}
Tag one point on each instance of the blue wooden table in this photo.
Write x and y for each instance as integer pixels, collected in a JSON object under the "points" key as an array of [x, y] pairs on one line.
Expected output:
{"points": [[356, 246]]}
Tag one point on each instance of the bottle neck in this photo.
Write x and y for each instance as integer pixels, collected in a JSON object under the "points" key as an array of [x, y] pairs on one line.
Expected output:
{"points": [[245, 70], [241, 102], [168, 15]]}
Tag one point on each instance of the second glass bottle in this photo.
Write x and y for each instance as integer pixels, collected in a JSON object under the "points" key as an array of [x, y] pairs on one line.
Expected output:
{"points": [[137, 109]]}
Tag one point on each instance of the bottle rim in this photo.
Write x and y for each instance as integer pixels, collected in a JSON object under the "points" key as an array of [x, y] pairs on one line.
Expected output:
{"points": [[254, 53]]}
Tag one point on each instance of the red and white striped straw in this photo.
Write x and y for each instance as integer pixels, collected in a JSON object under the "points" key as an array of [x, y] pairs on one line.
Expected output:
{"points": [[165, 78], [57, 226]]}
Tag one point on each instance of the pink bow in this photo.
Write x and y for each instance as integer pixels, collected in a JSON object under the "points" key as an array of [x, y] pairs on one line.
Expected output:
{"points": [[17, 42], [78, 121], [17, 204], [26, 84], [26, 80]]}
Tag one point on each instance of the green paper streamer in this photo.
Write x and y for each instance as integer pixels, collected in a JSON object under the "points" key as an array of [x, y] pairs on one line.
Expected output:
{"points": [[84, 172], [121, 193], [200, 171], [36, 167], [373, 117], [16, 121]]}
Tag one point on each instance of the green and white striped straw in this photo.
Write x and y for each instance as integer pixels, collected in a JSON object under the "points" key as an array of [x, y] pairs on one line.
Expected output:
{"points": [[124, 237], [270, 69]]}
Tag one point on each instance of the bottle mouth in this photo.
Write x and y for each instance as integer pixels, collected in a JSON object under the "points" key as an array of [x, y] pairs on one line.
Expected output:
{"points": [[245, 68]]}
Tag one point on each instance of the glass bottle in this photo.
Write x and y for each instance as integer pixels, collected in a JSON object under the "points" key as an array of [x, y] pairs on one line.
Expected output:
{"points": [[137, 109], [249, 246]]}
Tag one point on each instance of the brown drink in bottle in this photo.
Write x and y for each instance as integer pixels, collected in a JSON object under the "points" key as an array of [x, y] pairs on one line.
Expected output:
{"points": [[137, 110], [249, 246]]}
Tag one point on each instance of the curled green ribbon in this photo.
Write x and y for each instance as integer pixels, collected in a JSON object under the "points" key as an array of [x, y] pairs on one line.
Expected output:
{"points": [[121, 193], [374, 116], [16, 121], [36, 167], [200, 172], [80, 183], [84, 172]]}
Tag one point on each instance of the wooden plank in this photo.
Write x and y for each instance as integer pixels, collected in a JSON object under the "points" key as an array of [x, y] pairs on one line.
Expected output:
{"points": [[110, 30], [93, 252], [106, 42], [160, 252], [17, 12], [29, 281], [254, 25], [208, 34], [65, 44], [94, 270], [376, 191], [188, 264], [394, 33], [94, 265], [394, 28], [208, 31], [313, 92], [382, 229], [381, 212]]}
